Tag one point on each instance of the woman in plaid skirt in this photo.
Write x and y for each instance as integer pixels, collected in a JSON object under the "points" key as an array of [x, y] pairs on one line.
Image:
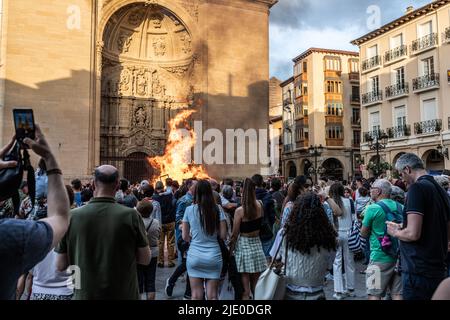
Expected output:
{"points": [[249, 254]]}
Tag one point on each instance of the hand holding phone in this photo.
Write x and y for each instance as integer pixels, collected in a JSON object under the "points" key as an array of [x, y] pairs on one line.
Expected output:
{"points": [[24, 124]]}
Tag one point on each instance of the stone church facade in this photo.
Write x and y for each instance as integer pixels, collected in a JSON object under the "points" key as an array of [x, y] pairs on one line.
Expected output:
{"points": [[105, 77]]}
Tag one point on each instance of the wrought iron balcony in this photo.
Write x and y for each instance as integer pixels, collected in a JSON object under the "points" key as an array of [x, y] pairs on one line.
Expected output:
{"points": [[355, 121], [371, 63], [287, 124], [399, 132], [355, 99], [372, 97], [288, 148], [429, 81], [287, 101], [356, 144], [430, 126], [446, 35], [395, 53], [372, 135], [424, 43], [397, 90], [353, 76]]}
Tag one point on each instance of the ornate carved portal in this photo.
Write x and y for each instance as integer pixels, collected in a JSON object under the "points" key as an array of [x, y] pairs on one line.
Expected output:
{"points": [[146, 75]]}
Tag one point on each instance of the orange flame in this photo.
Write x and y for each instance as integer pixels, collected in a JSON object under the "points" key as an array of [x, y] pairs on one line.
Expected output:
{"points": [[173, 164]]}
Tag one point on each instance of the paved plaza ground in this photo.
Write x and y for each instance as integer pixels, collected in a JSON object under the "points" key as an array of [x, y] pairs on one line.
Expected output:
{"points": [[164, 273]]}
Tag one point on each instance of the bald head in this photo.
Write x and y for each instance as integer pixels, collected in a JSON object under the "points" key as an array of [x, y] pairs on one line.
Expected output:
{"points": [[107, 176]]}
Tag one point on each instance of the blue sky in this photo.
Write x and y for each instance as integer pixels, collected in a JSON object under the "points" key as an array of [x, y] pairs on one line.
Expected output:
{"points": [[296, 25]]}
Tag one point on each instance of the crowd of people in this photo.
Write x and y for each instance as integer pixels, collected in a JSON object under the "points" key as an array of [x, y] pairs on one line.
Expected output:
{"points": [[107, 239]]}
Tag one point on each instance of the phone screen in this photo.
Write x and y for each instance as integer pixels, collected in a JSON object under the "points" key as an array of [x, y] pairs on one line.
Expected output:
{"points": [[24, 123]]}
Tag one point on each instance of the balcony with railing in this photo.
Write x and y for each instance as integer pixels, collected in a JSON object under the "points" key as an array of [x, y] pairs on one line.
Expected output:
{"points": [[425, 43], [303, 143], [446, 35], [399, 132], [288, 148], [356, 144], [332, 119], [353, 76], [395, 55], [287, 101], [397, 90], [355, 99], [371, 135], [335, 142], [371, 98], [371, 64], [288, 124], [355, 121], [426, 82], [428, 127]]}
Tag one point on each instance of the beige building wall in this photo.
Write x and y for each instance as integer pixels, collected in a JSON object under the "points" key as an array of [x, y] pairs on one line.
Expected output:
{"points": [[56, 70], [409, 27]]}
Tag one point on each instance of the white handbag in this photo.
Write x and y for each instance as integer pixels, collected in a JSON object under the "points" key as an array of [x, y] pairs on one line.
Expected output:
{"points": [[271, 284]]}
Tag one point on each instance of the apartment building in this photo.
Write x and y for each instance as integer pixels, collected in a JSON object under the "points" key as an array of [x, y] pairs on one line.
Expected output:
{"points": [[405, 94], [321, 108]]}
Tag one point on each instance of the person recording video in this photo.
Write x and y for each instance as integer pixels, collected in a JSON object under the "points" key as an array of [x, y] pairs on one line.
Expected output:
{"points": [[24, 243]]}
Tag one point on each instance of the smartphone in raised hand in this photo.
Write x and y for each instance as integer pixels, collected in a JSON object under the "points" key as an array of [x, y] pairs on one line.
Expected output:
{"points": [[24, 124]]}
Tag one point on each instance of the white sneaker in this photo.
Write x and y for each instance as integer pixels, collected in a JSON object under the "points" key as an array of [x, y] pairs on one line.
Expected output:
{"points": [[339, 296], [329, 277]]}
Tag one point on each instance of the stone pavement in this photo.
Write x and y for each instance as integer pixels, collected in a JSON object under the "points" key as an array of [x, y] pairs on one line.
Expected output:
{"points": [[164, 273]]}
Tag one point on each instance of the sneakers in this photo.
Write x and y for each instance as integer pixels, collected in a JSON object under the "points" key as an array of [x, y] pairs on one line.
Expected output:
{"points": [[339, 296], [186, 297], [169, 288], [171, 264], [350, 293], [160, 265], [329, 277]]}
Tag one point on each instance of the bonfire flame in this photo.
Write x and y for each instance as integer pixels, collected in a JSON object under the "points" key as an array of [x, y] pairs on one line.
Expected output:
{"points": [[175, 161]]}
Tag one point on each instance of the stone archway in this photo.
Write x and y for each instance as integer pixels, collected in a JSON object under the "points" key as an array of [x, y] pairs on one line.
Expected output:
{"points": [[334, 169], [434, 162], [146, 77], [291, 169], [136, 168]]}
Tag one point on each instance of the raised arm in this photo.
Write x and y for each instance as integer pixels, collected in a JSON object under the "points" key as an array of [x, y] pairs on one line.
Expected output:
{"points": [[57, 199]]}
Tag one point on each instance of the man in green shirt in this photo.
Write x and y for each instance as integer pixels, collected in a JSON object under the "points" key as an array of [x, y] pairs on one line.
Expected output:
{"points": [[105, 240], [381, 272]]}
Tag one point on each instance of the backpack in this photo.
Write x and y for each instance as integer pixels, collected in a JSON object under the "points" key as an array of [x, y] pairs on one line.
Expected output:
{"points": [[390, 245], [356, 243]]}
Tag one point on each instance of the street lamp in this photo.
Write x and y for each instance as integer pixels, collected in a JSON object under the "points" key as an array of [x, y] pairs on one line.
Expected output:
{"points": [[443, 151], [377, 143], [316, 152]]}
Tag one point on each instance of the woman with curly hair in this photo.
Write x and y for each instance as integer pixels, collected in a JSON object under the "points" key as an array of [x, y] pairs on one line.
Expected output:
{"points": [[310, 240]]}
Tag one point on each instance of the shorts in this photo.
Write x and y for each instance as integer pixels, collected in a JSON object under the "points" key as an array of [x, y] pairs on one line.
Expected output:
{"points": [[383, 276]]}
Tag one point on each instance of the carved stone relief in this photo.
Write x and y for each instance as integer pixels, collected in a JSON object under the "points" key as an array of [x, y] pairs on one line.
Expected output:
{"points": [[186, 43], [156, 20], [124, 42], [135, 18], [140, 117], [191, 7], [159, 46]]}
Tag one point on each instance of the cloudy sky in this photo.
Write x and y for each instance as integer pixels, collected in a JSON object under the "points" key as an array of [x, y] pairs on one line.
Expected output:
{"points": [[296, 25]]}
